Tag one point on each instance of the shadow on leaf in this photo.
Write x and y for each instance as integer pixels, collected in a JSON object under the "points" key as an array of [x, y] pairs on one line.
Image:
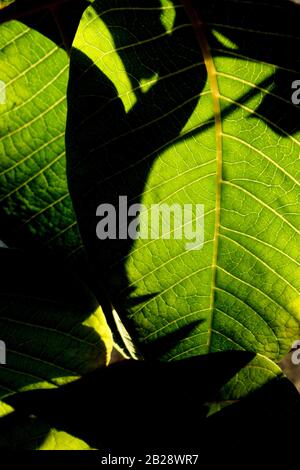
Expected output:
{"points": [[156, 403]]}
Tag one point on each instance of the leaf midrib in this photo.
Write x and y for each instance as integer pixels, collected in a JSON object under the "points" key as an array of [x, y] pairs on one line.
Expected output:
{"points": [[199, 28]]}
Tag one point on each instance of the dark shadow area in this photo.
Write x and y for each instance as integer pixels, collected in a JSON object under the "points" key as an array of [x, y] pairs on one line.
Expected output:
{"points": [[111, 152], [43, 306], [137, 408], [18, 235], [38, 15], [262, 425], [137, 405], [20, 432]]}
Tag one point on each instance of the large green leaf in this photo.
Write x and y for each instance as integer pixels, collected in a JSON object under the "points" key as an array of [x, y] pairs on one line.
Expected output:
{"points": [[35, 207], [52, 326], [164, 108]]}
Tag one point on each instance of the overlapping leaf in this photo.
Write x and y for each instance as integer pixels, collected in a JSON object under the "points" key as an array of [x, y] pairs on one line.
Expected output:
{"points": [[52, 327], [53, 331], [35, 207]]}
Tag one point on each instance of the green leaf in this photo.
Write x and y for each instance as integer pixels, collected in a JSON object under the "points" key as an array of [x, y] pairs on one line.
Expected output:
{"points": [[60, 440], [52, 326], [164, 108], [35, 207]]}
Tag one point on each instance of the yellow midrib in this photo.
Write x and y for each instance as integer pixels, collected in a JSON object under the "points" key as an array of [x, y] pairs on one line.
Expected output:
{"points": [[199, 28]]}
